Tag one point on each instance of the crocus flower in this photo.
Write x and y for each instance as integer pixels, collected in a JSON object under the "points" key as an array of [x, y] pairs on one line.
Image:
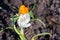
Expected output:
{"points": [[24, 17]]}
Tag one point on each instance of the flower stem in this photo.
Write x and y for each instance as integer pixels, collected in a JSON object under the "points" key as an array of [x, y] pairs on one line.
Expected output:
{"points": [[20, 33], [16, 30], [22, 36]]}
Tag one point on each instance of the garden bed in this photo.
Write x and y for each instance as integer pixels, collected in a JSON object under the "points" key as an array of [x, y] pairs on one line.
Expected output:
{"points": [[46, 10]]}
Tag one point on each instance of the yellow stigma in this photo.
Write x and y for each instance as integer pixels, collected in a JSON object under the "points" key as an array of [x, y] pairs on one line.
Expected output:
{"points": [[23, 9], [24, 20]]}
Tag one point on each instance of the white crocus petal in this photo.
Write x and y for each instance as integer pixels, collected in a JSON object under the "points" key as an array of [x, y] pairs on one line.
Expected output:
{"points": [[24, 20], [26, 25], [19, 20]]}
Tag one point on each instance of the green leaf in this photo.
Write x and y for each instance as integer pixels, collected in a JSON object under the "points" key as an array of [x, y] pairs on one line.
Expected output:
{"points": [[14, 18], [1, 7], [6, 28], [42, 34], [31, 12], [41, 22], [1, 31], [31, 15], [15, 8], [9, 28]]}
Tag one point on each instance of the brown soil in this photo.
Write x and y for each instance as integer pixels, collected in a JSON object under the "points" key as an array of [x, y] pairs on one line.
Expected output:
{"points": [[47, 10]]}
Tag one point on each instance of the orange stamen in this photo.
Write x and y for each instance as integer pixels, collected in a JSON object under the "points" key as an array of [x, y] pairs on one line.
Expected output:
{"points": [[23, 9]]}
